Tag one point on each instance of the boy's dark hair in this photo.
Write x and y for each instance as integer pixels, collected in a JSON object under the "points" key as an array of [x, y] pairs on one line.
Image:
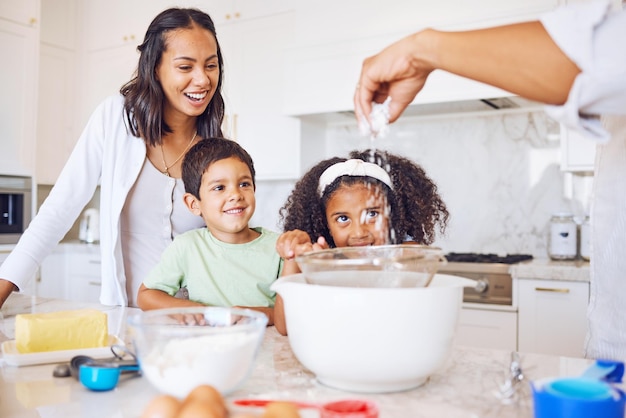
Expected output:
{"points": [[143, 95], [416, 209], [206, 152]]}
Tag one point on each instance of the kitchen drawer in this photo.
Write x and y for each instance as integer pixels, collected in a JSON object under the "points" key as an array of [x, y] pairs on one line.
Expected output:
{"points": [[484, 328], [84, 264], [71, 272], [553, 316]]}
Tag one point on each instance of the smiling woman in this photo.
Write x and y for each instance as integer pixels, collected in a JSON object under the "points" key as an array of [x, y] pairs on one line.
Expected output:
{"points": [[133, 146]]}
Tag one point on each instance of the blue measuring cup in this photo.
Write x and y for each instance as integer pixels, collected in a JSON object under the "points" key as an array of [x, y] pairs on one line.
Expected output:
{"points": [[103, 376]]}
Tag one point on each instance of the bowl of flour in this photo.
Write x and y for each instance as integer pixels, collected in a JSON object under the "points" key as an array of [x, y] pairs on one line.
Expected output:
{"points": [[181, 348]]}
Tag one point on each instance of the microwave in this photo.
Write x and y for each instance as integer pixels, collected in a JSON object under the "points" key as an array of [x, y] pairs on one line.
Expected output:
{"points": [[15, 207]]}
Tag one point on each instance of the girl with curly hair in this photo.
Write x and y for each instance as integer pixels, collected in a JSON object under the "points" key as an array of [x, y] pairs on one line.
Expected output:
{"points": [[372, 198]]}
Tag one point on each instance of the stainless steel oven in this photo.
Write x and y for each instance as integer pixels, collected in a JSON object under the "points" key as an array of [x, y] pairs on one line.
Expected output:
{"points": [[495, 284], [15, 207]]}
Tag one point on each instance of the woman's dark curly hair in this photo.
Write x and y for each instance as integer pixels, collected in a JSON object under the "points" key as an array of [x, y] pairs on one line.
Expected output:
{"points": [[143, 95], [416, 209]]}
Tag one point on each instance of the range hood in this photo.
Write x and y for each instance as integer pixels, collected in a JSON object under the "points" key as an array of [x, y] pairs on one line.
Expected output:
{"points": [[457, 108]]}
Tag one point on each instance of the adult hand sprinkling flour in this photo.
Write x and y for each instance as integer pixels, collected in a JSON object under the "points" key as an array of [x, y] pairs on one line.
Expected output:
{"points": [[571, 59]]}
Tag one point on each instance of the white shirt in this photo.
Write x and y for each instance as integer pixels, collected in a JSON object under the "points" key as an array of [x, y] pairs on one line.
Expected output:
{"points": [[153, 215], [593, 38]]}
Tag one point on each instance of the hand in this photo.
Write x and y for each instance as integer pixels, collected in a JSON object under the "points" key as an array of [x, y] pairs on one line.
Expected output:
{"points": [[293, 243], [399, 72]]}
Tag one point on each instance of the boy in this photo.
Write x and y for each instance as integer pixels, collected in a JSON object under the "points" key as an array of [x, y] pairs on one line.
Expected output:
{"points": [[227, 263]]}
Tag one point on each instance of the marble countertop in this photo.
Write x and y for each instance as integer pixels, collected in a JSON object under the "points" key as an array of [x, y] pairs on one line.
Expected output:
{"points": [[547, 269], [465, 387]]}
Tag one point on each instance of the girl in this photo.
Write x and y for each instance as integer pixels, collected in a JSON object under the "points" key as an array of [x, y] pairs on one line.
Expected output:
{"points": [[373, 198]]}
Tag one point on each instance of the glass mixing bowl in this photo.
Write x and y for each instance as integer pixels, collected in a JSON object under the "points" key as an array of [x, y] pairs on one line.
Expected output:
{"points": [[404, 265], [181, 348]]}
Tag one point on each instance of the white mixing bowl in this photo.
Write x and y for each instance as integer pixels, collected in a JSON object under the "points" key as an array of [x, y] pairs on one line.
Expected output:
{"points": [[372, 340]]}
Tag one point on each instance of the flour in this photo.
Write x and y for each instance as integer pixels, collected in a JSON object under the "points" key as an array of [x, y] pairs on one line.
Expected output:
{"points": [[222, 361], [378, 127]]}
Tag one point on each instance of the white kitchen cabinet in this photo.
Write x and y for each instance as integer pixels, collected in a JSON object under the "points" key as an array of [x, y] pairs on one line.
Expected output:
{"points": [[552, 316], [577, 152], [486, 328], [254, 87], [19, 47], [56, 133], [360, 19], [323, 66], [233, 11], [71, 272]]}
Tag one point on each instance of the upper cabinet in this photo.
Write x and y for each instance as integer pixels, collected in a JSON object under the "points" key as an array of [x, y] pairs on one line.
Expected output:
{"points": [[19, 45], [577, 152], [325, 64], [57, 81], [254, 88]]}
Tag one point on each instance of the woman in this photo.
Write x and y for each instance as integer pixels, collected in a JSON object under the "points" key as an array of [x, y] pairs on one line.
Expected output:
{"points": [[133, 146], [572, 59]]}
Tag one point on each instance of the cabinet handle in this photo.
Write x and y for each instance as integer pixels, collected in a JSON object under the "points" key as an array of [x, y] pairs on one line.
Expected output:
{"points": [[549, 289], [95, 283], [32, 21], [237, 15], [95, 262], [228, 17]]}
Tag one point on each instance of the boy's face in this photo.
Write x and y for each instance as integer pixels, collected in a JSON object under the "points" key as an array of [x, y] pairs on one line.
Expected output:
{"points": [[226, 201], [357, 216]]}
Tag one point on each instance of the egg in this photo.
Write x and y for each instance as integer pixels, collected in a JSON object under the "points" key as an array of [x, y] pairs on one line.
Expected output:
{"points": [[163, 406], [281, 410], [209, 395], [195, 408]]}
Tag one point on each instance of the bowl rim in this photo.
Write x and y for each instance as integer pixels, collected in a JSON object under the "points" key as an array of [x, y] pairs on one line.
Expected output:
{"points": [[138, 319], [316, 257]]}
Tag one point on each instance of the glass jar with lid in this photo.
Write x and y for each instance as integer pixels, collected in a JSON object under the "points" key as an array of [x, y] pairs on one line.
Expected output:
{"points": [[563, 240]]}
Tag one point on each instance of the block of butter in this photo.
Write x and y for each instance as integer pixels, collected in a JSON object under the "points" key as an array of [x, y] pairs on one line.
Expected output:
{"points": [[63, 330]]}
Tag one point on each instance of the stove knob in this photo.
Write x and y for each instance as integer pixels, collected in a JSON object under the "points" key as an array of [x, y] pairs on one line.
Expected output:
{"points": [[481, 286]]}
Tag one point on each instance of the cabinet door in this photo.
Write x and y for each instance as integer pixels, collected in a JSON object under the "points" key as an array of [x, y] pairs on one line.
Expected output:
{"points": [[24, 12], [577, 152], [487, 329], [114, 23], [552, 316], [19, 45], [55, 134], [106, 71], [254, 55]]}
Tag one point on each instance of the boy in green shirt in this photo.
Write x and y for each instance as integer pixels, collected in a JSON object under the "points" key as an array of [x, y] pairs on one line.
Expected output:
{"points": [[227, 263]]}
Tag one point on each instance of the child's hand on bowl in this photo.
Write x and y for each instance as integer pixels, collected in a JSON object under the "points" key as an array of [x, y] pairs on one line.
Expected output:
{"points": [[294, 243]]}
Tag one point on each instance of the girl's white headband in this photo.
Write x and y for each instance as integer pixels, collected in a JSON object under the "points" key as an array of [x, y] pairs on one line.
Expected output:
{"points": [[354, 167]]}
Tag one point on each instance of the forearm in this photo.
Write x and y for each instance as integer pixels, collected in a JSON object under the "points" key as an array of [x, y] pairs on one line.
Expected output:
{"points": [[148, 299], [6, 288], [520, 58], [269, 312], [279, 316]]}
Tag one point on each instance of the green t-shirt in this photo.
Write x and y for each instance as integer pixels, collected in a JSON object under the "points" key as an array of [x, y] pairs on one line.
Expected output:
{"points": [[217, 273]]}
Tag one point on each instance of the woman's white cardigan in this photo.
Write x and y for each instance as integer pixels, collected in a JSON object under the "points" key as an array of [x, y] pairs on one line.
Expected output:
{"points": [[106, 154]]}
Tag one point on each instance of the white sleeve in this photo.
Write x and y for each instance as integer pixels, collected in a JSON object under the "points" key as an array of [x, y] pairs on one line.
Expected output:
{"points": [[593, 37]]}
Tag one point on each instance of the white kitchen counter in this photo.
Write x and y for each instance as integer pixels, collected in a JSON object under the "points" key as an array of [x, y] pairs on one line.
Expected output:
{"points": [[547, 269], [463, 388]]}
